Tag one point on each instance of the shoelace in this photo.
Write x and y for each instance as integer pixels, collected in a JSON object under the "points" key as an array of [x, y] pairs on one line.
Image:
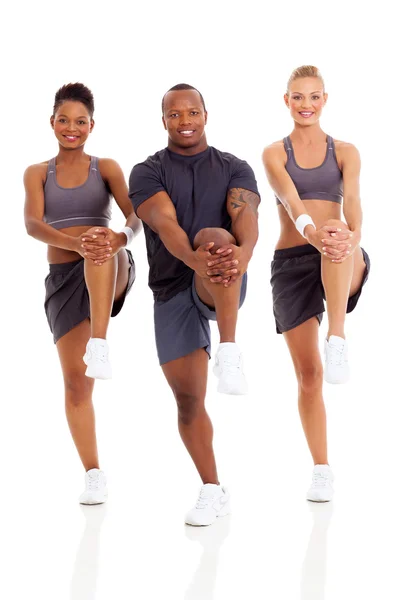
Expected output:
{"points": [[231, 364], [319, 480], [100, 353], [93, 482], [336, 355], [204, 498]]}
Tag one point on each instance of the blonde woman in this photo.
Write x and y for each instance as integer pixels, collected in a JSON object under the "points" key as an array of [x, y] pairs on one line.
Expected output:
{"points": [[318, 255]]}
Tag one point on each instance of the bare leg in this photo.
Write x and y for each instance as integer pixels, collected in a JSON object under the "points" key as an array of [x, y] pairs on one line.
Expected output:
{"points": [[224, 300], [78, 394], [100, 282], [104, 283], [340, 281], [79, 388], [303, 346], [187, 377]]}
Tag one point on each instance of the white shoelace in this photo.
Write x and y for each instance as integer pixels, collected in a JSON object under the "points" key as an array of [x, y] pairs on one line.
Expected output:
{"points": [[319, 480], [204, 498], [99, 352], [93, 482], [231, 363], [336, 355]]}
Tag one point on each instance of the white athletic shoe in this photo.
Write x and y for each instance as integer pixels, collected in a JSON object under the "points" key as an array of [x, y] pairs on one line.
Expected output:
{"points": [[96, 359], [213, 502], [336, 362], [229, 369], [321, 489], [95, 488]]}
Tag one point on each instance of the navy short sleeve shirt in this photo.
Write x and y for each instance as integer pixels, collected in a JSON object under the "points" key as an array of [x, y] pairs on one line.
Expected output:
{"points": [[198, 187]]}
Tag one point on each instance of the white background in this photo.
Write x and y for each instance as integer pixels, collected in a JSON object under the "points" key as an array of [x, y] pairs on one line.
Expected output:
{"points": [[275, 544]]}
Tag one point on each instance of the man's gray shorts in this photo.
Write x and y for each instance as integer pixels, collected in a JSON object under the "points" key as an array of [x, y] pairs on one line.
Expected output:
{"points": [[182, 323]]}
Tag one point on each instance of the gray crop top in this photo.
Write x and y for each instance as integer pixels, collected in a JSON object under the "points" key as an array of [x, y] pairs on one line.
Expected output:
{"points": [[319, 183], [86, 204]]}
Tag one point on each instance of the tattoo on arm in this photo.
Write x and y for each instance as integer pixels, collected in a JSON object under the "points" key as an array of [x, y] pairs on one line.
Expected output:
{"points": [[239, 197]]}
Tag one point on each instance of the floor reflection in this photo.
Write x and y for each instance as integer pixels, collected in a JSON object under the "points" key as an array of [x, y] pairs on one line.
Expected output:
{"points": [[86, 567], [313, 579], [211, 539]]}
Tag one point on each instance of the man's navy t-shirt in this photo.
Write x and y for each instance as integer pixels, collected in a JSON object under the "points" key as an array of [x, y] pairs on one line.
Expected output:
{"points": [[198, 187]]}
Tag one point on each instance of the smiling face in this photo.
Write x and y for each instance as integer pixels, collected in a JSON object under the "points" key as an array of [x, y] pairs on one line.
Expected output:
{"points": [[184, 119], [305, 100], [72, 124]]}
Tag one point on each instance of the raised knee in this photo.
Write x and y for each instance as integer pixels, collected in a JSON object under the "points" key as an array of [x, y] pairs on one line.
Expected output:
{"points": [[188, 406], [78, 388], [336, 223], [310, 378], [219, 236]]}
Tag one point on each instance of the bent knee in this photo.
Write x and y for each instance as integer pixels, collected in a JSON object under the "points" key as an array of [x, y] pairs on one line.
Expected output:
{"points": [[219, 236], [336, 223], [188, 405]]}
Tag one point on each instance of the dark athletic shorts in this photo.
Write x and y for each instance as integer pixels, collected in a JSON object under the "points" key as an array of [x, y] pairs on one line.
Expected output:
{"points": [[67, 299], [297, 290], [182, 323]]}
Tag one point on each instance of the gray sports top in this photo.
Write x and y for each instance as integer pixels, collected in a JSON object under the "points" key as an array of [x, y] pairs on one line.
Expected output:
{"points": [[319, 183], [86, 204]]}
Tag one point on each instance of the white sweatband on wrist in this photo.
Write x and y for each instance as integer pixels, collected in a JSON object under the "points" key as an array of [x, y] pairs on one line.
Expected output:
{"points": [[129, 234], [302, 221]]}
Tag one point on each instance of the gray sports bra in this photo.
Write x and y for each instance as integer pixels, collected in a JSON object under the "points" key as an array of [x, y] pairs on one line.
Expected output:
{"points": [[319, 183], [86, 204]]}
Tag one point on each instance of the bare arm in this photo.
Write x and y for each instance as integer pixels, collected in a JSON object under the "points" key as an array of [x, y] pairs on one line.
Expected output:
{"points": [[159, 213], [282, 184], [112, 174], [34, 212], [351, 165], [242, 206]]}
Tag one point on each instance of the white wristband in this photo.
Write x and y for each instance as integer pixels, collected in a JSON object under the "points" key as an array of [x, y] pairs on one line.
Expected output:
{"points": [[129, 234], [302, 221]]}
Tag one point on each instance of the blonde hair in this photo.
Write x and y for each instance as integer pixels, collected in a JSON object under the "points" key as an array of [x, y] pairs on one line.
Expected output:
{"points": [[305, 71]]}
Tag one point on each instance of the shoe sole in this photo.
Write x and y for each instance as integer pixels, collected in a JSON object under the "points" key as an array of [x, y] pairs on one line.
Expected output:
{"points": [[232, 391], [336, 381], [207, 524], [319, 501], [328, 499], [97, 375], [225, 512], [93, 374], [94, 503]]}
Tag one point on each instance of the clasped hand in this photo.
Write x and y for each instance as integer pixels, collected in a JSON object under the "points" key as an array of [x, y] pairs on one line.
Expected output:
{"points": [[100, 244], [337, 244], [225, 265]]}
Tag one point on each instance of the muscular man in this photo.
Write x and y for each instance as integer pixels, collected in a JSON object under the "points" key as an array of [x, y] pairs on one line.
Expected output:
{"points": [[199, 209]]}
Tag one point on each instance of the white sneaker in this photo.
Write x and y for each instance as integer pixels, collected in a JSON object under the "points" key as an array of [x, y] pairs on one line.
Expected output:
{"points": [[321, 489], [229, 369], [96, 359], [336, 362], [96, 488], [213, 502]]}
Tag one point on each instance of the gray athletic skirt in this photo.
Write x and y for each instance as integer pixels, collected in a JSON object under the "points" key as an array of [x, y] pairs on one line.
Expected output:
{"points": [[297, 290], [67, 299]]}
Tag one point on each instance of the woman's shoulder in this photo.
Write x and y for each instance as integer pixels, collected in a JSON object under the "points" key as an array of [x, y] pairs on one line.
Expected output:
{"points": [[106, 161], [108, 167], [346, 151], [274, 151], [342, 144], [37, 170]]}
